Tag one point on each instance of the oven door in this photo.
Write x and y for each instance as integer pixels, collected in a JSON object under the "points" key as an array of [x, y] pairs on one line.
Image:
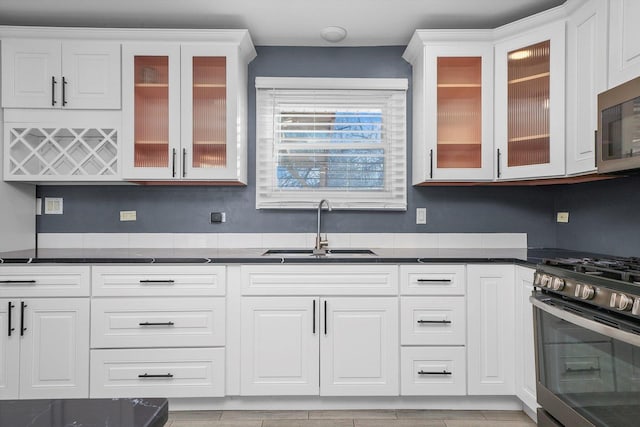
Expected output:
{"points": [[587, 364]]}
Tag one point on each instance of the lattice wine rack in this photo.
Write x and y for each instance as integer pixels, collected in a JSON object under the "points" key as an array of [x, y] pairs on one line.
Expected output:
{"points": [[42, 153]]}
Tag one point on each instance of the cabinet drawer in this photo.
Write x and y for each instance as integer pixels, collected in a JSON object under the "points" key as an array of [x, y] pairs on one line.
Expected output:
{"points": [[432, 279], [320, 279], [185, 372], [44, 281], [151, 280], [432, 321], [157, 322], [433, 371]]}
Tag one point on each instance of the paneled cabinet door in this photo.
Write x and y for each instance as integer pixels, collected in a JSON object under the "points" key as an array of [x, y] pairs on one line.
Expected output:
{"points": [[151, 111], [490, 329], [208, 100], [280, 346], [359, 347], [54, 350], [525, 346], [9, 350], [530, 103], [586, 78], [458, 126], [54, 74], [624, 41]]}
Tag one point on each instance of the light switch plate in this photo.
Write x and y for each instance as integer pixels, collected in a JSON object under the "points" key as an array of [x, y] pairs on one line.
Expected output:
{"points": [[128, 215], [562, 217], [38, 206], [53, 205], [421, 215]]}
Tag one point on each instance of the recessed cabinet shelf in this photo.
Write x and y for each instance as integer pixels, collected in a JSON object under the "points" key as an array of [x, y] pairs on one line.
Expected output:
{"points": [[152, 85], [458, 85], [529, 137]]}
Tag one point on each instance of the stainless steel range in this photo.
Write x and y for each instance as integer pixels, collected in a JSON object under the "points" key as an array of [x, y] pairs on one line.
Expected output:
{"points": [[587, 332]]}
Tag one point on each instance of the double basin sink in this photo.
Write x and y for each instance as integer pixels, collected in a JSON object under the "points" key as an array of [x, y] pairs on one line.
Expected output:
{"points": [[341, 253]]}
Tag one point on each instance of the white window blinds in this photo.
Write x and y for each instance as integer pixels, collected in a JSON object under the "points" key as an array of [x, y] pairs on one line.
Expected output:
{"points": [[339, 139]]}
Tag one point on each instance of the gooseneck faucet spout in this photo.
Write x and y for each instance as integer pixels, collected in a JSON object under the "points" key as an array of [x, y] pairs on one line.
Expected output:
{"points": [[320, 248]]}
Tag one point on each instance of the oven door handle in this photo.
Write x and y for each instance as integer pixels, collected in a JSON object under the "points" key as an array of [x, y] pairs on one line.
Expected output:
{"points": [[592, 325]]}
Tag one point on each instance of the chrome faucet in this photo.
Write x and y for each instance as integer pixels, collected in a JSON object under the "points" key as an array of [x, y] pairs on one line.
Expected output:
{"points": [[320, 248]]}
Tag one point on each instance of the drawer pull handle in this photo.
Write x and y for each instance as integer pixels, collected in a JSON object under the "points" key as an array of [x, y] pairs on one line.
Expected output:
{"points": [[435, 321], [145, 375], [157, 281], [10, 315], [156, 323], [434, 280], [574, 370], [18, 281], [421, 372]]}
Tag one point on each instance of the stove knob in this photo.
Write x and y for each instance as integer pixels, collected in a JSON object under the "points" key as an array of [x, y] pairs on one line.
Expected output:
{"points": [[636, 307], [625, 303], [588, 292], [545, 281], [558, 284], [536, 279]]}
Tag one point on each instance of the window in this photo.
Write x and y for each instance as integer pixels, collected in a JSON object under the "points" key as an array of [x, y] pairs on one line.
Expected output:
{"points": [[338, 139]]}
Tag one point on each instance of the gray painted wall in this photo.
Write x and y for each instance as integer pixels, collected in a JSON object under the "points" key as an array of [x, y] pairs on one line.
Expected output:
{"points": [[186, 209], [604, 216]]}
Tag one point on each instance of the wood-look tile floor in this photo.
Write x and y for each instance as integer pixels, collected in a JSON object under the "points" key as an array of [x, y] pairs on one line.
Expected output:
{"points": [[364, 418]]}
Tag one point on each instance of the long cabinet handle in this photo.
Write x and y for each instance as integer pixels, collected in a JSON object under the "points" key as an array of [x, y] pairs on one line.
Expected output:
{"points": [[314, 317], [64, 91], [157, 281], [10, 315], [431, 163], [435, 321], [325, 317], [445, 372], [173, 164], [145, 375], [22, 327], [499, 154], [156, 323], [433, 280], [18, 281], [184, 162], [53, 91]]}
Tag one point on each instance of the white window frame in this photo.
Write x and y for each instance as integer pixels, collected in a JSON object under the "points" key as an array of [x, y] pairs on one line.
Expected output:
{"points": [[394, 194]]}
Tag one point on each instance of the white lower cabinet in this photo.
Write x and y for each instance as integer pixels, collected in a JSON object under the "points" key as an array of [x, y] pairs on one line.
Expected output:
{"points": [[490, 329], [45, 353], [525, 342], [175, 372], [433, 371], [341, 346]]}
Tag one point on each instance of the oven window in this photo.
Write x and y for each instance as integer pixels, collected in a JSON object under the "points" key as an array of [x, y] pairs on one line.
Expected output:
{"points": [[596, 375]]}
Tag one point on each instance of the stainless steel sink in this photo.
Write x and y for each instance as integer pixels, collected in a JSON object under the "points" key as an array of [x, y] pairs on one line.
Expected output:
{"points": [[347, 253]]}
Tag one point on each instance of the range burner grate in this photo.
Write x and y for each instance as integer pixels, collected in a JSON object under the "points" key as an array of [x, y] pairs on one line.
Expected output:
{"points": [[623, 269]]}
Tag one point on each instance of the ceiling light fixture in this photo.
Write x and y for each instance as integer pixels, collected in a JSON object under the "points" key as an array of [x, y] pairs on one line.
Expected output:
{"points": [[333, 34]]}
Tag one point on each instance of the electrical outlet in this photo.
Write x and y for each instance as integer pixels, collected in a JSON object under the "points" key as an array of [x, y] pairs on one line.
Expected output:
{"points": [[421, 215], [53, 205], [562, 217], [128, 216]]}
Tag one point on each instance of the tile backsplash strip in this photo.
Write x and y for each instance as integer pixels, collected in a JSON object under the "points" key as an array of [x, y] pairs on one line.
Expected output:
{"points": [[280, 240]]}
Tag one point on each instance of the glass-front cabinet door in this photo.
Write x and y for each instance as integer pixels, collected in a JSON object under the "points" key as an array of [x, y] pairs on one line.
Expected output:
{"points": [[530, 108], [207, 127], [459, 131], [151, 111]]}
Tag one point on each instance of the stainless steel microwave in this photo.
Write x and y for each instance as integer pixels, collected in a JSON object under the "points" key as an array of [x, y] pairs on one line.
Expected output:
{"points": [[618, 141]]}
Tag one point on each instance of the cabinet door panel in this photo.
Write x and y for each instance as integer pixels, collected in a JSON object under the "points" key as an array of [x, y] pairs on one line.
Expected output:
{"points": [[92, 73], [28, 67], [624, 41], [54, 356], [9, 350], [279, 346], [490, 326], [359, 347], [525, 345]]}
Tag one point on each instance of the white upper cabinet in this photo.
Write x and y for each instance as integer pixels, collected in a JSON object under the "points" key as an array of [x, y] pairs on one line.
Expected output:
{"points": [[452, 105], [530, 103], [624, 41], [55, 74], [586, 78], [185, 110]]}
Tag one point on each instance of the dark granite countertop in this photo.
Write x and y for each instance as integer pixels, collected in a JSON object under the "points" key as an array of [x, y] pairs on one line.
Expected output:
{"points": [[530, 256], [84, 413]]}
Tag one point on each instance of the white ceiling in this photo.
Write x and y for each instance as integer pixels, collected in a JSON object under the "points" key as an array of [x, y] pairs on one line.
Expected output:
{"points": [[278, 22]]}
